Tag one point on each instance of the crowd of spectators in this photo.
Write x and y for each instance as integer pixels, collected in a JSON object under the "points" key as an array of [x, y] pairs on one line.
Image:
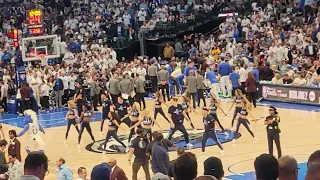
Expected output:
{"points": [[280, 38], [184, 167]]}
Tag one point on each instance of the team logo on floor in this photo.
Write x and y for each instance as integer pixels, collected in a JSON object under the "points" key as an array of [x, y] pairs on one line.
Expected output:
{"points": [[195, 137]]}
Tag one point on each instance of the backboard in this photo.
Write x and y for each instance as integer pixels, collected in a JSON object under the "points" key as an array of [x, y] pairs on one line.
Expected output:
{"points": [[39, 47]]}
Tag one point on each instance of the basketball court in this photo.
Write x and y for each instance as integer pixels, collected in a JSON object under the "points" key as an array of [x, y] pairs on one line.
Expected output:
{"points": [[299, 137]]}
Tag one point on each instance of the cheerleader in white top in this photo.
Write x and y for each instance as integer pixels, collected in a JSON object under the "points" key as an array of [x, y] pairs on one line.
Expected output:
{"points": [[33, 129]]}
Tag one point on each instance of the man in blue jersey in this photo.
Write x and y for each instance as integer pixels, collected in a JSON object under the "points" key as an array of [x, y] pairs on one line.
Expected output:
{"points": [[179, 81], [224, 70], [190, 67], [235, 80], [214, 83]]}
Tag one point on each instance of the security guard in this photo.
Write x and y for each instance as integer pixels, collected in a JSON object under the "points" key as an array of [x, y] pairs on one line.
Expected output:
{"points": [[273, 131]]}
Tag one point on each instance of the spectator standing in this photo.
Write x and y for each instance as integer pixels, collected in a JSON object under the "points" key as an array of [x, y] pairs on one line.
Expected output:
{"points": [[191, 84], [266, 167], [25, 97], [288, 168], [58, 91], [64, 172], [142, 14], [141, 71], [200, 88], [124, 86], [14, 145], [180, 152], [116, 172], [163, 77], [65, 80], [213, 167], [185, 167], [3, 161], [82, 173], [251, 88], [15, 168], [138, 149], [44, 96], [224, 70], [165, 142], [140, 92], [35, 166], [178, 49], [114, 88], [3, 95], [94, 92], [235, 80], [243, 77], [168, 52], [152, 72], [160, 156]]}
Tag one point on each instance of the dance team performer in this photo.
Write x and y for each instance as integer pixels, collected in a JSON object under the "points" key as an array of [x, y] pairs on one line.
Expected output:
{"points": [[146, 124], [158, 101], [133, 115], [177, 116], [113, 125], [84, 120], [187, 108], [213, 107], [242, 118], [238, 100], [71, 117], [209, 130], [106, 104]]}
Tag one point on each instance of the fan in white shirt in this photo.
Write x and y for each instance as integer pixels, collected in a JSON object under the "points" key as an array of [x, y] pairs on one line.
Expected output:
{"points": [[142, 14]]}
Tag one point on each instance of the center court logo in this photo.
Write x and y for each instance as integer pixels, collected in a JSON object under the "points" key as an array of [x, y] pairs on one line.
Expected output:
{"points": [[195, 136]]}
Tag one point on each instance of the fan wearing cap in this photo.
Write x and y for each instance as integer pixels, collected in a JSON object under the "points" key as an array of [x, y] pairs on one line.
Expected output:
{"points": [[101, 172], [273, 131], [209, 132]]}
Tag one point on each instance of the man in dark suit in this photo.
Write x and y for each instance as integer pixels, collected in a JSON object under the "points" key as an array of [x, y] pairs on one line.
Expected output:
{"points": [[116, 172], [14, 145]]}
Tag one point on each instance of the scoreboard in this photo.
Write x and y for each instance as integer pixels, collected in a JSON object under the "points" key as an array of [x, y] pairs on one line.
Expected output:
{"points": [[35, 21]]}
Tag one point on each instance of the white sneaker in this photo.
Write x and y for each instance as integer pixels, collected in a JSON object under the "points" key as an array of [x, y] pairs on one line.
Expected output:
{"points": [[226, 133], [233, 141], [201, 154], [256, 139], [127, 150], [104, 152], [65, 142], [96, 144], [222, 151], [101, 133], [190, 145], [78, 146]]}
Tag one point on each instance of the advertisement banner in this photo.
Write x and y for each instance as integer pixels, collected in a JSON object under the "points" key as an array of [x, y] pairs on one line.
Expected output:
{"points": [[303, 95]]}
